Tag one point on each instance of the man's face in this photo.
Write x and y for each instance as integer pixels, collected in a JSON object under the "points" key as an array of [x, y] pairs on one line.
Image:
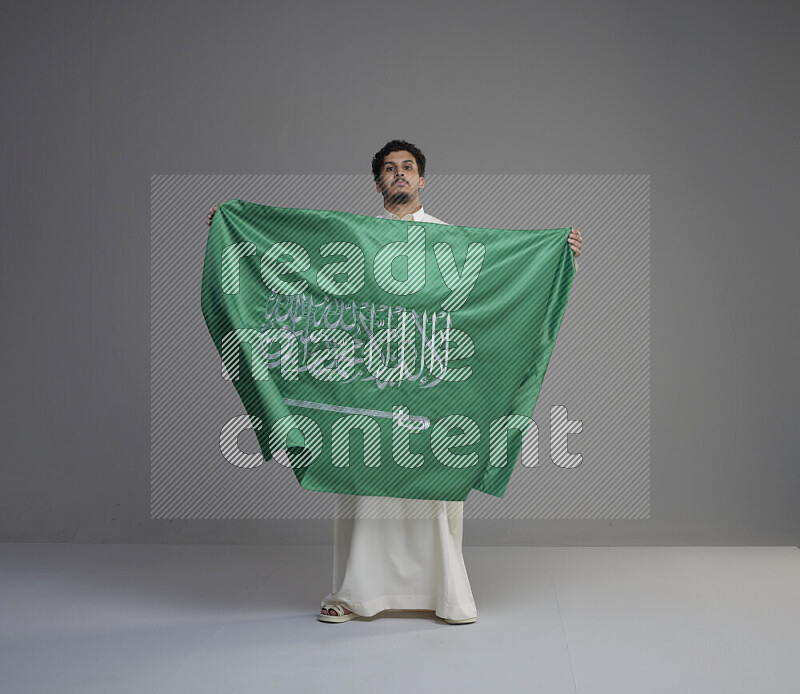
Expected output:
{"points": [[400, 181]]}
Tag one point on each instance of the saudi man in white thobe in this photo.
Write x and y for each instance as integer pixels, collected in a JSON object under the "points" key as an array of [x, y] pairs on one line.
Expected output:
{"points": [[392, 553]]}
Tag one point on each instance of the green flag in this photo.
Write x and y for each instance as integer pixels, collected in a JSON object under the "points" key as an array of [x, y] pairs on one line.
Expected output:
{"points": [[387, 357]]}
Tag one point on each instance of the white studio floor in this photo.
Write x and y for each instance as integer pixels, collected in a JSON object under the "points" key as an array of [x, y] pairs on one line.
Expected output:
{"points": [[214, 618]]}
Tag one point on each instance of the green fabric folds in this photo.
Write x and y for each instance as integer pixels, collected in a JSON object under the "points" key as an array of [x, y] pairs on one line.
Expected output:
{"points": [[387, 357]]}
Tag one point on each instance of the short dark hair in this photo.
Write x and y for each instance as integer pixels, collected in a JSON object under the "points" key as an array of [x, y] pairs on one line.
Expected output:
{"points": [[397, 146]]}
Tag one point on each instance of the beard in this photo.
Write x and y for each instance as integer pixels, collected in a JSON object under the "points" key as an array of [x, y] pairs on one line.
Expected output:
{"points": [[398, 197]]}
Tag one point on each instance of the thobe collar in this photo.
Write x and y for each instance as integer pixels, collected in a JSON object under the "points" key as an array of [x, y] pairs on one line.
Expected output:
{"points": [[411, 216]]}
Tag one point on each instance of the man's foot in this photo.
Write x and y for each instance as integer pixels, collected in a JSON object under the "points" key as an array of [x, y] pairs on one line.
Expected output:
{"points": [[335, 613]]}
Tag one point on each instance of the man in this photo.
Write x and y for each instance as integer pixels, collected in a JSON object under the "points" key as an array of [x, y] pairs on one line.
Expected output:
{"points": [[390, 553]]}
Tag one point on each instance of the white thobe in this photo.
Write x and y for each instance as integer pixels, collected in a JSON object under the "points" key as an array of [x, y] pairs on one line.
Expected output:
{"points": [[400, 554]]}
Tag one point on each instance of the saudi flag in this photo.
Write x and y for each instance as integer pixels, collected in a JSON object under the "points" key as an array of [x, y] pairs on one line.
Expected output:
{"points": [[386, 357]]}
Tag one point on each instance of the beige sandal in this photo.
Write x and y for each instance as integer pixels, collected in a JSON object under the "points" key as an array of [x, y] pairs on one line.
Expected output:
{"points": [[461, 621], [340, 615]]}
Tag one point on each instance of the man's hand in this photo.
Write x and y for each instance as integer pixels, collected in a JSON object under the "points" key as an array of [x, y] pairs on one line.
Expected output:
{"points": [[575, 240], [211, 214]]}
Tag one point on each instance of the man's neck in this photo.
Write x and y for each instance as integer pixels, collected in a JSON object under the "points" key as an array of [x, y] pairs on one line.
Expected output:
{"points": [[401, 211]]}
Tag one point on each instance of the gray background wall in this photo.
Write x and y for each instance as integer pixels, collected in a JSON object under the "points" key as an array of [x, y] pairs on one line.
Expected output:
{"points": [[100, 96]]}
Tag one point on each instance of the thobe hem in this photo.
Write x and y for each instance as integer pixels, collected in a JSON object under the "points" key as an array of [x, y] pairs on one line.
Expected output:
{"points": [[401, 602]]}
